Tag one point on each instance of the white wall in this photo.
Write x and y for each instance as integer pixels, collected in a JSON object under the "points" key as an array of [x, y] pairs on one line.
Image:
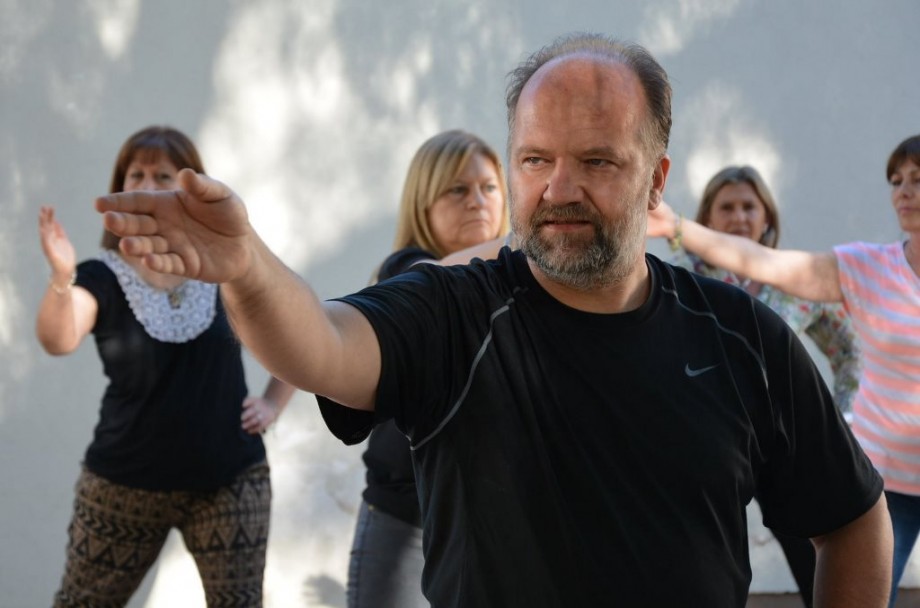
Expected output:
{"points": [[311, 110]]}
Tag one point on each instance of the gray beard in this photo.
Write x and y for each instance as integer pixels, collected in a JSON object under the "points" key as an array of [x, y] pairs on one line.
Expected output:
{"points": [[579, 262]]}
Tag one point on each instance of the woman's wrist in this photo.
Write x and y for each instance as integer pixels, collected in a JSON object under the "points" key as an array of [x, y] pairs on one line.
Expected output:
{"points": [[61, 285], [676, 241]]}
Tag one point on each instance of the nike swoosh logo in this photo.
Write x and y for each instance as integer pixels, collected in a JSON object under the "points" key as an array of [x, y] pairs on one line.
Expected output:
{"points": [[693, 373]]}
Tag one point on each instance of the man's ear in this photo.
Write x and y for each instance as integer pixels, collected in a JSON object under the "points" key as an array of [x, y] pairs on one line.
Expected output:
{"points": [[659, 179]]}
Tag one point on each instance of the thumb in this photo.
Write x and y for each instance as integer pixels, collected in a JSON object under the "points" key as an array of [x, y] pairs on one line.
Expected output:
{"points": [[202, 187]]}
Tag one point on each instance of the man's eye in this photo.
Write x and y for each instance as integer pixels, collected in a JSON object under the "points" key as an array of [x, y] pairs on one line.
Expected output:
{"points": [[598, 162]]}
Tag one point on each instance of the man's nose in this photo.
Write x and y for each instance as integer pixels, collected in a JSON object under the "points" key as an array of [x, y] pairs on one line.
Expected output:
{"points": [[562, 185]]}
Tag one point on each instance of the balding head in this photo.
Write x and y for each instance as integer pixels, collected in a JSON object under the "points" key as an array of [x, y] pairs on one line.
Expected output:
{"points": [[656, 124]]}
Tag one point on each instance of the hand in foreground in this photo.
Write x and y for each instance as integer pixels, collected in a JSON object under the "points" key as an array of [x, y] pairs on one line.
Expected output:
{"points": [[55, 245], [201, 231], [258, 414], [662, 221]]}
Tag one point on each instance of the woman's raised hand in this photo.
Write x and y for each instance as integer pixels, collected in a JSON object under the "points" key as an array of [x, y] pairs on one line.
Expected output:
{"points": [[55, 245], [662, 221]]}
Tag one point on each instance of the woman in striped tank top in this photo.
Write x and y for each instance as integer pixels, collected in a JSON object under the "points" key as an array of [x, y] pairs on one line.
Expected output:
{"points": [[879, 285]]}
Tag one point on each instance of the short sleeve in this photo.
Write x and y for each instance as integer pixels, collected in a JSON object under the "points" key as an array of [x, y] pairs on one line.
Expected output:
{"points": [[799, 493], [349, 425], [98, 279], [411, 317]]}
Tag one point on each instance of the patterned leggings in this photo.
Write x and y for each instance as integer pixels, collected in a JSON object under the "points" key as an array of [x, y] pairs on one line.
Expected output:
{"points": [[117, 532]]}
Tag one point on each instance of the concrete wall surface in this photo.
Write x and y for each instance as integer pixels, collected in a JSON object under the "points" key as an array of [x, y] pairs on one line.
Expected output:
{"points": [[311, 110]]}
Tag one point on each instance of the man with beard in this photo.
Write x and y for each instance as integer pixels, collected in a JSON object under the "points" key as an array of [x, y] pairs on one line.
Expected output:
{"points": [[587, 422]]}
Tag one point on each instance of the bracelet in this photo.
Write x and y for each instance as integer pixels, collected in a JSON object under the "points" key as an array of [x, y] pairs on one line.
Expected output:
{"points": [[676, 241], [62, 290]]}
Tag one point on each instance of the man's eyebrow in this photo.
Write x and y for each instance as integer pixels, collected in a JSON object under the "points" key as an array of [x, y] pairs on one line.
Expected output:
{"points": [[596, 151], [602, 151], [531, 151]]}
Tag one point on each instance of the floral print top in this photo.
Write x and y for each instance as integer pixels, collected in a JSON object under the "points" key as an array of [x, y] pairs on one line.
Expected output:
{"points": [[827, 324]]}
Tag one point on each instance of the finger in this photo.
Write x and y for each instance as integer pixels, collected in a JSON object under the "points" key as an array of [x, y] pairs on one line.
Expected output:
{"points": [[46, 219], [139, 201], [202, 187], [137, 246], [129, 224], [158, 244], [146, 248], [252, 426], [167, 263]]}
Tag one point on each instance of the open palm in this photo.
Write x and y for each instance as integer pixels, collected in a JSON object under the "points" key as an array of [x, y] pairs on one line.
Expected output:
{"points": [[55, 244]]}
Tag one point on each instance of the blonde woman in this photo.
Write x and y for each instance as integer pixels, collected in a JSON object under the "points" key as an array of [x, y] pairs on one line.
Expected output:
{"points": [[453, 199]]}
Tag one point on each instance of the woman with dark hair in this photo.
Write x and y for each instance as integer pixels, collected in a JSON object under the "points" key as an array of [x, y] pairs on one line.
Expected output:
{"points": [[738, 201], [453, 199], [178, 443], [879, 285]]}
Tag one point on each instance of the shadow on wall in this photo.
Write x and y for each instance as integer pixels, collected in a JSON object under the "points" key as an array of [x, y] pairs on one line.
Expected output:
{"points": [[327, 110]]}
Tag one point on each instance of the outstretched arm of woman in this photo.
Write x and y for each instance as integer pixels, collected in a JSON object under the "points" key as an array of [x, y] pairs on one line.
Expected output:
{"points": [[485, 251], [804, 274], [67, 313]]}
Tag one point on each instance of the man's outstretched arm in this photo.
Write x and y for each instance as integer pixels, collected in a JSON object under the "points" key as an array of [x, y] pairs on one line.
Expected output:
{"points": [[854, 562], [202, 232]]}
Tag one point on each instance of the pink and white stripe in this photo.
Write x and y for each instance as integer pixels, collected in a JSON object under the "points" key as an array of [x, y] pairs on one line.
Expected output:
{"points": [[882, 295]]}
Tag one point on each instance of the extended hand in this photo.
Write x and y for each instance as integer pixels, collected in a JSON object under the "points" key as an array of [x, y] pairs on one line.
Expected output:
{"points": [[201, 231], [55, 245], [661, 221]]}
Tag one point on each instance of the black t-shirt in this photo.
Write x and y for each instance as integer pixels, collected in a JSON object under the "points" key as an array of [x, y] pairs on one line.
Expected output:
{"points": [[390, 478], [170, 416], [566, 458]]}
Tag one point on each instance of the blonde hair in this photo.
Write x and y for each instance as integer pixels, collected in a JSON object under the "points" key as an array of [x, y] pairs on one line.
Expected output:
{"points": [[433, 169], [742, 175]]}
